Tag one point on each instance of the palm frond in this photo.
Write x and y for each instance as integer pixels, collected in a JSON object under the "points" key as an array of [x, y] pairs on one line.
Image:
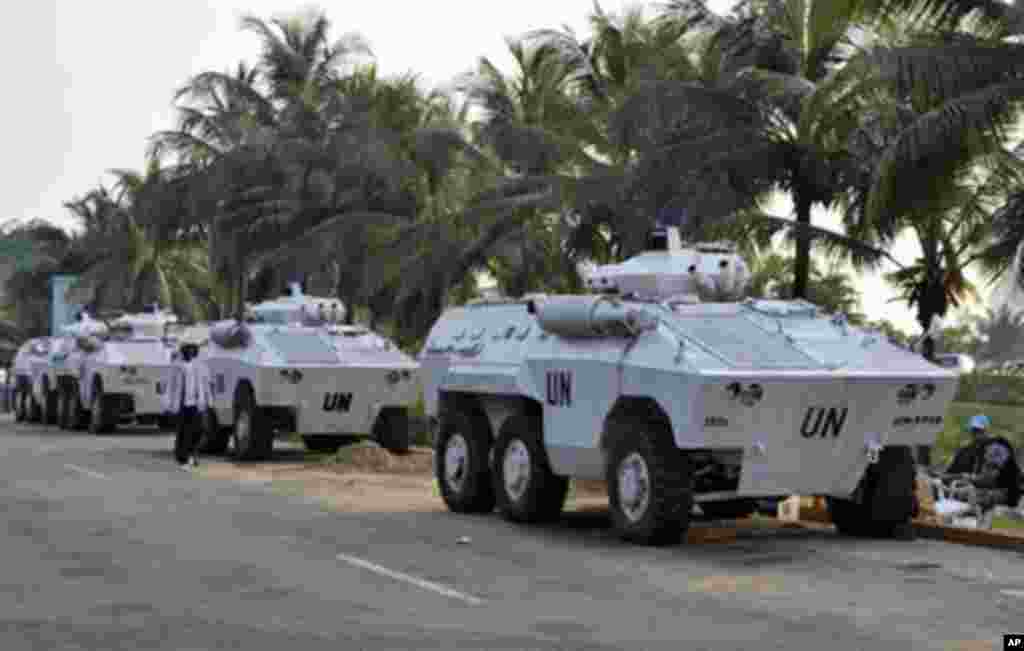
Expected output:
{"points": [[940, 143]]}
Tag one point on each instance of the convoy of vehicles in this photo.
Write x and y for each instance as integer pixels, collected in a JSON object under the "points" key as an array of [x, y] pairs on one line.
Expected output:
{"points": [[661, 382], [674, 400]]}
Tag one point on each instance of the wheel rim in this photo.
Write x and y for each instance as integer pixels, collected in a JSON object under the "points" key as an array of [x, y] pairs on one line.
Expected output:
{"points": [[634, 487], [516, 469], [456, 460], [242, 431]]}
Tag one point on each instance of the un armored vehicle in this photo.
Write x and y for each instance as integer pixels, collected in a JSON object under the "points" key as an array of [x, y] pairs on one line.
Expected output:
{"points": [[291, 367], [674, 400], [115, 372], [29, 363]]}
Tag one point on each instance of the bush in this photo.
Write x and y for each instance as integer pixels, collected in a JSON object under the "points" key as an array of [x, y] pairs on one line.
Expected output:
{"points": [[991, 387]]}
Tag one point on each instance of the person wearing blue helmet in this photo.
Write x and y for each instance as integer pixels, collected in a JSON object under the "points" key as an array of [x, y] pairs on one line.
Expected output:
{"points": [[993, 463]]}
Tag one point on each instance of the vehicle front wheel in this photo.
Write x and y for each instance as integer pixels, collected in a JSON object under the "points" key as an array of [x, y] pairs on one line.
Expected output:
{"points": [[391, 430], [63, 408], [650, 486], [525, 487], [216, 439], [253, 440], [78, 415], [35, 410], [101, 418], [887, 499], [460, 463], [20, 405], [51, 411]]}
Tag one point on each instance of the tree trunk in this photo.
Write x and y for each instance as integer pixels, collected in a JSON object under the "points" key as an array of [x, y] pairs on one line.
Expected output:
{"points": [[802, 263]]}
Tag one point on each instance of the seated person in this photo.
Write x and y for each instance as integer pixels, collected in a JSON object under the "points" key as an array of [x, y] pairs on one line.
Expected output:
{"points": [[992, 462]]}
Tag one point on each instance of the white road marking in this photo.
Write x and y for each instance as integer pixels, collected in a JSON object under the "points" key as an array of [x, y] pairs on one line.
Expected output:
{"points": [[419, 583], [85, 471]]}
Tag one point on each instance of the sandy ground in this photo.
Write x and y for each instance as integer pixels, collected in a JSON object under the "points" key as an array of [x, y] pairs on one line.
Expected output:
{"points": [[367, 479]]}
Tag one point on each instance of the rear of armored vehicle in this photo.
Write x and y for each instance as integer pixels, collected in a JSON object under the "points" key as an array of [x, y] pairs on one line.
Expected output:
{"points": [[125, 380], [26, 364], [294, 379]]}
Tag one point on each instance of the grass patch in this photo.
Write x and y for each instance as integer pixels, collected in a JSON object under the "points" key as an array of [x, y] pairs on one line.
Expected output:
{"points": [[1007, 523]]}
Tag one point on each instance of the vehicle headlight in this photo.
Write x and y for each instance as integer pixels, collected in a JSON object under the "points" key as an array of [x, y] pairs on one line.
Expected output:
{"points": [[907, 394], [291, 375]]}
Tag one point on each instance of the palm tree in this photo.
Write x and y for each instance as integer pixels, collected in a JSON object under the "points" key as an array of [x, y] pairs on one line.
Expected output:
{"points": [[144, 252], [832, 290], [960, 72], [768, 112], [614, 206]]}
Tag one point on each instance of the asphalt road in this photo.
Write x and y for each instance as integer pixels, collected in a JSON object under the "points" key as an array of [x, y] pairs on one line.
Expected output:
{"points": [[108, 545]]}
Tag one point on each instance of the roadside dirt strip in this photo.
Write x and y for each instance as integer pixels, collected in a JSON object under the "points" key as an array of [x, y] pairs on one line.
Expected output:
{"points": [[367, 479]]}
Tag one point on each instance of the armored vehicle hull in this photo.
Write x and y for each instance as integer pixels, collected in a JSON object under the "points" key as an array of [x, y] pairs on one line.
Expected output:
{"points": [[714, 403], [104, 375], [124, 382], [291, 369]]}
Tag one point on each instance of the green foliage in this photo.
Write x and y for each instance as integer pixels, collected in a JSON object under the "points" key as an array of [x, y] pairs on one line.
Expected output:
{"points": [[395, 197], [1002, 388]]}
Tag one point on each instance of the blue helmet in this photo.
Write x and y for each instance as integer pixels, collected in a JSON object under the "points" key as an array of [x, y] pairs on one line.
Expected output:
{"points": [[980, 421]]}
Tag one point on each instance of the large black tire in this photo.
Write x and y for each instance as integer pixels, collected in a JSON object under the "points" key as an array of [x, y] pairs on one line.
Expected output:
{"points": [[102, 419], [63, 408], [253, 439], [391, 431], [887, 503], [78, 415], [664, 516], [461, 462], [729, 509], [323, 443], [525, 488], [20, 405], [51, 413], [35, 410], [215, 438]]}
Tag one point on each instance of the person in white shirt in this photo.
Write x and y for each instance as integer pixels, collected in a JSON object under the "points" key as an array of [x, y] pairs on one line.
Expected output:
{"points": [[189, 396]]}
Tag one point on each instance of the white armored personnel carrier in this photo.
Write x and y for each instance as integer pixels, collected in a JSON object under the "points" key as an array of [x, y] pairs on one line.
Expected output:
{"points": [[29, 364], [673, 400], [291, 367], [115, 372]]}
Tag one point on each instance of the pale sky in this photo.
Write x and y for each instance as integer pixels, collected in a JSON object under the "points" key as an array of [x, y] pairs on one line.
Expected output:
{"points": [[99, 77]]}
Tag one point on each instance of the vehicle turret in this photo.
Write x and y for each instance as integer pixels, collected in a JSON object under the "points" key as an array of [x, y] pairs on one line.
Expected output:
{"points": [[295, 307], [669, 270]]}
